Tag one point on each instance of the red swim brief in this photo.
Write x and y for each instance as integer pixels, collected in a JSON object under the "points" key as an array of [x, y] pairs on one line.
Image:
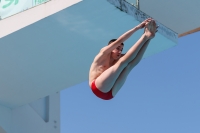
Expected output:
{"points": [[102, 95]]}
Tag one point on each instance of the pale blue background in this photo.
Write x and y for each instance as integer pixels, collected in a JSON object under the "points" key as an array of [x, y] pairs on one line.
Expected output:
{"points": [[161, 95]]}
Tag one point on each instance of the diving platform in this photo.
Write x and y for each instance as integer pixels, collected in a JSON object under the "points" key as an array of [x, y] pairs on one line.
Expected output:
{"points": [[55, 53]]}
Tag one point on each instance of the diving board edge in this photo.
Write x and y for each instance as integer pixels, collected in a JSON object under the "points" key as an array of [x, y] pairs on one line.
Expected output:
{"points": [[141, 16]]}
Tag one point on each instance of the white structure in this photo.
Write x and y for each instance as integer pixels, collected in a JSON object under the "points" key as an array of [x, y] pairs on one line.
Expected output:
{"points": [[16, 114], [49, 48], [41, 116]]}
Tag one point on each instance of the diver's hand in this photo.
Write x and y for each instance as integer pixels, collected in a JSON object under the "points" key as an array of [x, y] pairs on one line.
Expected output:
{"points": [[143, 24], [150, 29]]}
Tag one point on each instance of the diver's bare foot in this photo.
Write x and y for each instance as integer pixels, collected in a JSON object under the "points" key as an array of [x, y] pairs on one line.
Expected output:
{"points": [[150, 29]]}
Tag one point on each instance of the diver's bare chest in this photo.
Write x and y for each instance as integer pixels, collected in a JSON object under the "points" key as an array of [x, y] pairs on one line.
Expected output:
{"points": [[102, 66], [105, 65]]}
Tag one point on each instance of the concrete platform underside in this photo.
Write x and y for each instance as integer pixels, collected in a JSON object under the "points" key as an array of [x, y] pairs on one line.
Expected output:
{"points": [[55, 52]]}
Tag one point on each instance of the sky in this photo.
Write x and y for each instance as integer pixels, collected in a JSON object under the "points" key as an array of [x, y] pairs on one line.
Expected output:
{"points": [[160, 95]]}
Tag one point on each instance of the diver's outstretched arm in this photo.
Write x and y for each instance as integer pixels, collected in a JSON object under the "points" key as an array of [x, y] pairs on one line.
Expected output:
{"points": [[124, 37]]}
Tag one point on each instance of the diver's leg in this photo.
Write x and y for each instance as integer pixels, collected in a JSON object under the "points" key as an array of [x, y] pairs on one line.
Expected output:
{"points": [[150, 30], [108, 78], [122, 77]]}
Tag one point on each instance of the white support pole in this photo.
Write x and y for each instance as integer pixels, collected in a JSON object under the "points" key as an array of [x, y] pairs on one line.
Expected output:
{"points": [[41, 116]]}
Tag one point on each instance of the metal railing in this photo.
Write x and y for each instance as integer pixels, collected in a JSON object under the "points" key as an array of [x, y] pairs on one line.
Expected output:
{"points": [[133, 10]]}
